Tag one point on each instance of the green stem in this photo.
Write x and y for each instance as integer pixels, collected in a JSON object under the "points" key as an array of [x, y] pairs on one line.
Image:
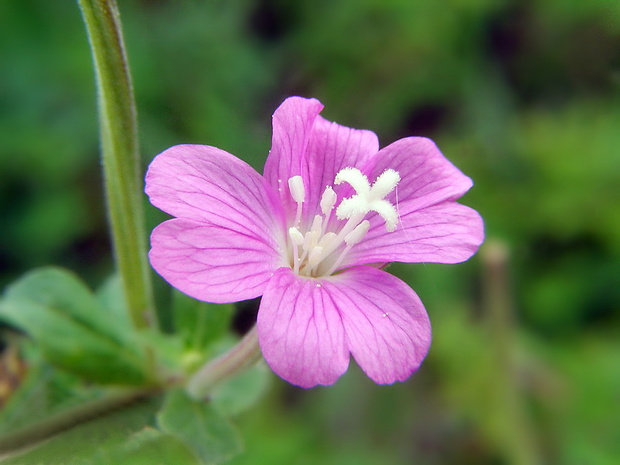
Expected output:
{"points": [[121, 167], [517, 434], [241, 357]]}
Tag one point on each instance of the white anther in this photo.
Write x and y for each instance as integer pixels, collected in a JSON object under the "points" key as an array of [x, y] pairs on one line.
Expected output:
{"points": [[327, 238], [357, 234], [296, 186], [296, 236], [328, 200], [310, 240], [315, 256]]}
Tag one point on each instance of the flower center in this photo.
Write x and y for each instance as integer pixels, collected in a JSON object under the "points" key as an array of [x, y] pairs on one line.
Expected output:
{"points": [[319, 250]]}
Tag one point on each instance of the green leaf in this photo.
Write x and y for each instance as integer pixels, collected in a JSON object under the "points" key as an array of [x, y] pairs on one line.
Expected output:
{"points": [[199, 424], [72, 330], [44, 391], [110, 297], [237, 394], [100, 441], [58, 288], [200, 323], [150, 447]]}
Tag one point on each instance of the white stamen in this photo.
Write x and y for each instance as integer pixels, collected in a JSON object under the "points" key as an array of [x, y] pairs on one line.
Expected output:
{"points": [[296, 236], [311, 239], [327, 238], [298, 192], [296, 186], [317, 224], [297, 239], [319, 249], [328, 200], [315, 256], [357, 234]]}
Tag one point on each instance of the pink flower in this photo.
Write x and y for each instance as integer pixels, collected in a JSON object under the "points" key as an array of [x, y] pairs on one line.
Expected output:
{"points": [[311, 236]]}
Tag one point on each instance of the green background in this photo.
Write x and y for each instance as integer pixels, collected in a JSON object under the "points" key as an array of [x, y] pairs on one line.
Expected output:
{"points": [[523, 96]]}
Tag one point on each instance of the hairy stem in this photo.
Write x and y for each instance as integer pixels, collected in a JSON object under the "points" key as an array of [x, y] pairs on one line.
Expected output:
{"points": [[241, 357], [121, 167]]}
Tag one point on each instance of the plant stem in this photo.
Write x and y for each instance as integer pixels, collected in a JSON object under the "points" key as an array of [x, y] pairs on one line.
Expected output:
{"points": [[239, 358], [517, 434], [121, 167]]}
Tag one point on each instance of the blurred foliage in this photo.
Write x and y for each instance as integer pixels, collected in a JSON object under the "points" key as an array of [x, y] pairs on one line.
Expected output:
{"points": [[522, 95]]}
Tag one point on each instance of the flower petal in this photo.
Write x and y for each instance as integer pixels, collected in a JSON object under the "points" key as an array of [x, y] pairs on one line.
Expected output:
{"points": [[292, 128], [444, 233], [300, 331], [334, 147], [212, 263], [206, 184], [307, 327], [431, 227], [427, 177], [306, 144], [387, 329]]}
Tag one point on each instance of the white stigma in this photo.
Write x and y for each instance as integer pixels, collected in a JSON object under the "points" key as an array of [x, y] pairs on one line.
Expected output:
{"points": [[321, 249], [369, 198]]}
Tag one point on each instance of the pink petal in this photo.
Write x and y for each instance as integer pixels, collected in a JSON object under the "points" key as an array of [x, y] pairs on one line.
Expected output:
{"points": [[427, 177], [307, 327], [308, 145], [292, 128], [432, 227], [445, 233], [300, 331], [334, 147], [212, 263], [387, 328], [207, 185]]}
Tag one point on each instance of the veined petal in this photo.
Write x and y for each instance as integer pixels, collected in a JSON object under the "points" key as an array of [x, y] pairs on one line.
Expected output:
{"points": [[207, 185], [334, 147], [426, 176], [308, 327], [445, 233], [292, 128], [306, 144], [387, 329], [300, 331], [431, 226], [212, 263]]}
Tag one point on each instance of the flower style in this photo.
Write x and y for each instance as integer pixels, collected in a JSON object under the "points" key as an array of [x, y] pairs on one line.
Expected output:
{"points": [[311, 236]]}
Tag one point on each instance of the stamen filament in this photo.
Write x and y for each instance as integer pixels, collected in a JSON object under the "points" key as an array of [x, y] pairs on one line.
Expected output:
{"points": [[298, 192], [339, 239], [313, 245], [296, 259], [338, 261]]}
